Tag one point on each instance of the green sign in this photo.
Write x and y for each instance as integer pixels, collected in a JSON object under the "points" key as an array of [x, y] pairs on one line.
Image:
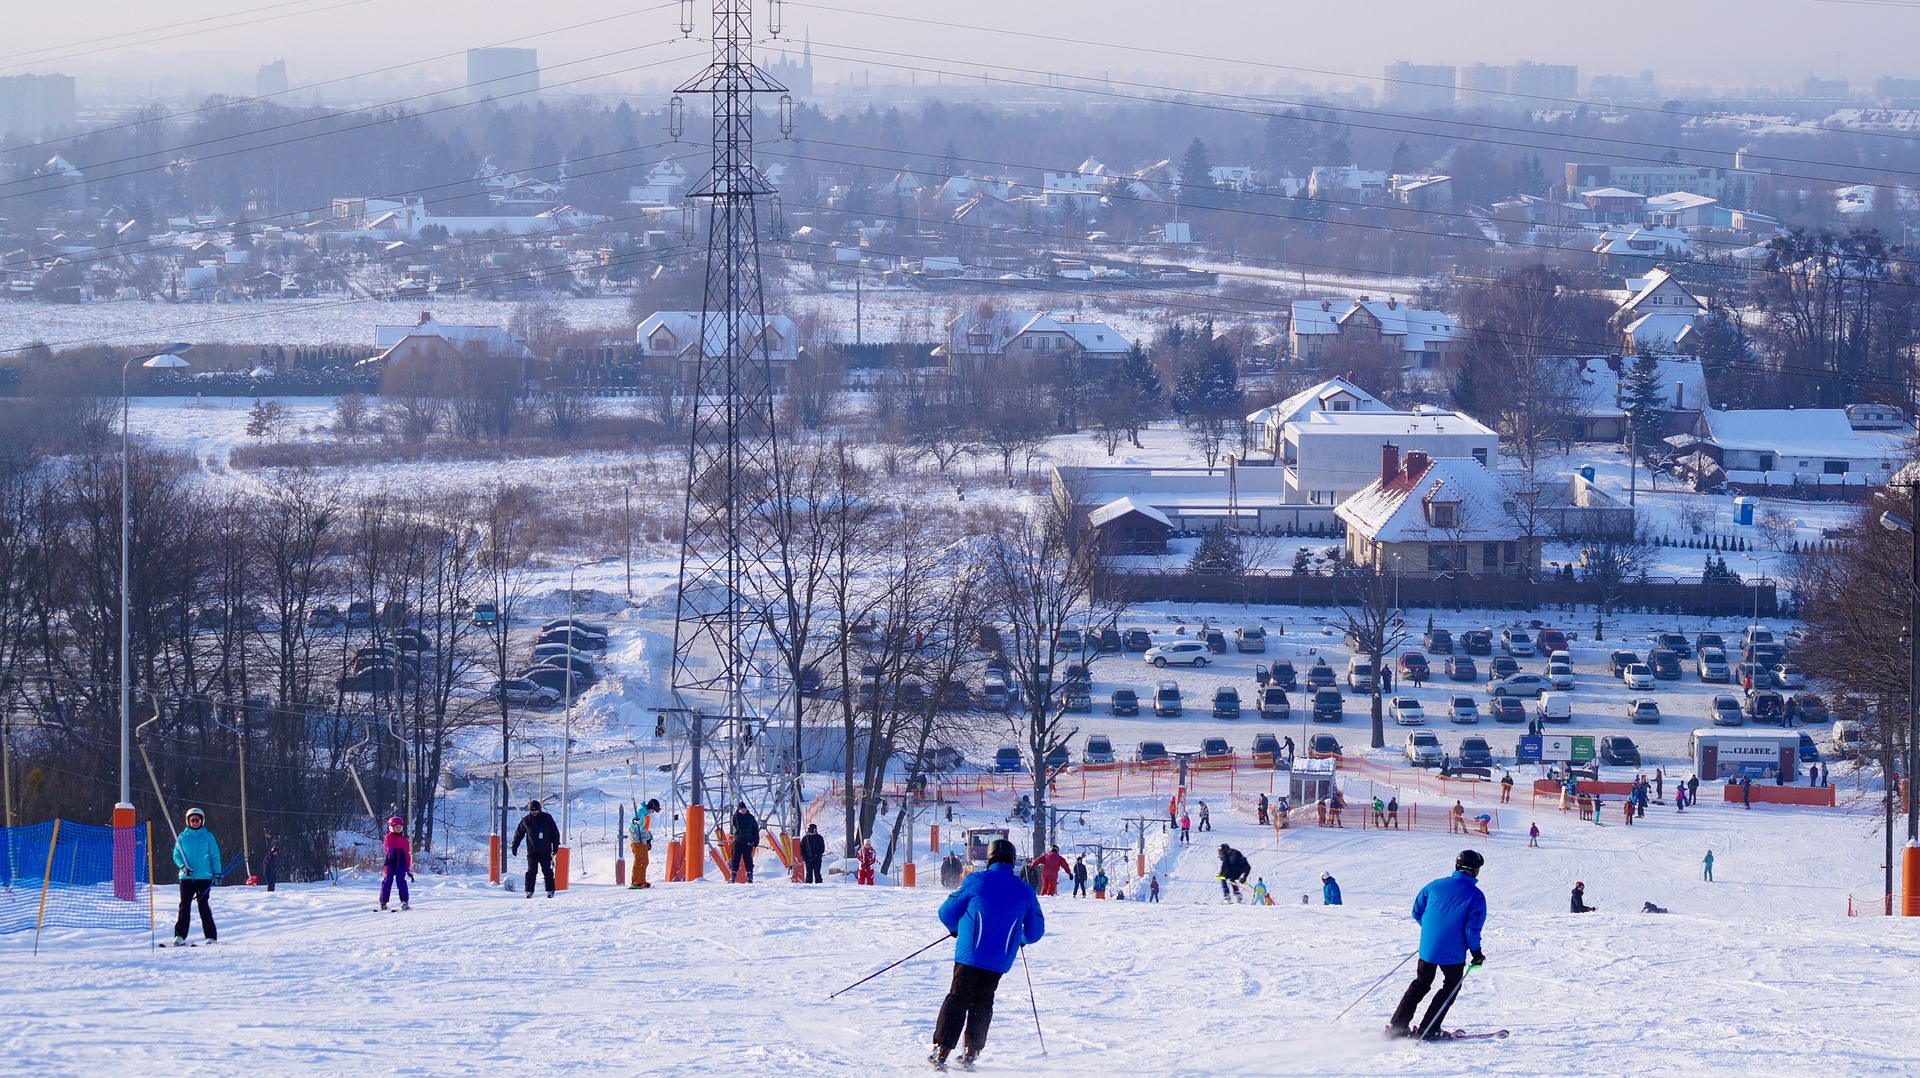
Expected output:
{"points": [[1582, 748]]}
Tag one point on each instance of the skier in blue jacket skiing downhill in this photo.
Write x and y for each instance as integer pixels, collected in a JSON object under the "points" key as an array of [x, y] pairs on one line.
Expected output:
{"points": [[1451, 911], [992, 915]]}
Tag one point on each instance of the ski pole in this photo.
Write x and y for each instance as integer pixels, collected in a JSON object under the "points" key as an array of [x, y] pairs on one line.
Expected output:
{"points": [[1376, 984], [890, 965], [1035, 1004], [1451, 996]]}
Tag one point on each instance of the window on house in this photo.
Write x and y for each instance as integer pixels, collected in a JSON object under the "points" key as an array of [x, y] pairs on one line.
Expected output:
{"points": [[1481, 456], [1489, 555], [1834, 467], [1343, 406], [1444, 514], [1444, 557], [1510, 552]]}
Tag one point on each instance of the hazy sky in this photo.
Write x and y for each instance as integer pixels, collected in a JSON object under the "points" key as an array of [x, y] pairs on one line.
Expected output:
{"points": [[215, 45]]}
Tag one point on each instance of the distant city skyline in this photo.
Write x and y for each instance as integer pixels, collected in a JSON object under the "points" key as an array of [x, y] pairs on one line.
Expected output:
{"points": [[208, 46]]}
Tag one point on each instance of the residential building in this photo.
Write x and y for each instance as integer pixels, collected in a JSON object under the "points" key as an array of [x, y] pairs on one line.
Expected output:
{"points": [[271, 79], [669, 342], [1430, 515], [1419, 87], [1422, 192], [430, 341], [1614, 206], [666, 185], [1803, 446], [1543, 86], [1133, 497], [32, 106], [1644, 179], [1326, 457], [1600, 405], [1348, 183], [1266, 427], [1683, 210], [1322, 330], [1659, 316], [986, 339], [508, 75], [1634, 248]]}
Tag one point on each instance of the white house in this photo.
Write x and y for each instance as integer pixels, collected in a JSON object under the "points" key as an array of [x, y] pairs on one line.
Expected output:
{"points": [[979, 340], [670, 340], [1660, 315], [1429, 515], [1266, 427], [1328, 456], [435, 342], [1320, 329], [1635, 247], [1807, 446]]}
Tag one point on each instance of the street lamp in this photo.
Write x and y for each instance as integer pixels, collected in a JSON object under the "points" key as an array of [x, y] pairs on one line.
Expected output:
{"points": [[564, 860], [1910, 857], [165, 359]]}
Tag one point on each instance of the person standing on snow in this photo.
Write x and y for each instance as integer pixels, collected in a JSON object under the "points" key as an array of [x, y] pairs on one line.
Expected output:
{"points": [[1050, 864], [1746, 792], [1451, 911], [1153, 888], [1186, 828], [864, 874], [1080, 876], [270, 872], [991, 916], [196, 853], [1379, 812], [1329, 890], [746, 839], [1260, 893], [1533, 836], [1206, 818], [1457, 819], [1578, 903], [398, 862], [1100, 883], [1506, 787], [542, 836], [1260, 810], [1693, 789], [813, 850], [1393, 813], [643, 842], [1706, 867], [1234, 871]]}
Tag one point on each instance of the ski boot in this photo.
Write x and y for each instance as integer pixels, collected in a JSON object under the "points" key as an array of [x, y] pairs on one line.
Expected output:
{"points": [[938, 1058], [967, 1059], [406, 905]]}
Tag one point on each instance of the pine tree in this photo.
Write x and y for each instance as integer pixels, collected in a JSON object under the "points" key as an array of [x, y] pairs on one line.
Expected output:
{"points": [[1641, 399], [1218, 552]]}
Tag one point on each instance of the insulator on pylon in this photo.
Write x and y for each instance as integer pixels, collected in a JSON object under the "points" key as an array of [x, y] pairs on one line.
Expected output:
{"points": [[775, 13], [786, 114], [686, 223], [686, 18], [676, 116]]}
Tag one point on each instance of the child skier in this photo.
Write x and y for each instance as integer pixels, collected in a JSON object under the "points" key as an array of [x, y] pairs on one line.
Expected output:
{"points": [[399, 862], [1260, 893], [1100, 884]]}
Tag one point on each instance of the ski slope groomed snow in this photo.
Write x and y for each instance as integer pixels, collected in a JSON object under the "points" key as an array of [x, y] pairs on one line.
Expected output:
{"points": [[1760, 972]]}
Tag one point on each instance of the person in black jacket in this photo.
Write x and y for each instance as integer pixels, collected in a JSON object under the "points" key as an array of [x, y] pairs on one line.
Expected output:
{"points": [[542, 836], [813, 849], [1234, 871], [1578, 903], [746, 838]]}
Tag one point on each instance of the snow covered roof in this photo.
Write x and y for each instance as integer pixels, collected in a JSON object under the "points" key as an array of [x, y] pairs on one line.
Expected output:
{"points": [[1636, 240], [1674, 201], [1610, 192], [494, 340], [1388, 424], [1800, 432], [1399, 512], [1396, 319], [1660, 281], [1602, 375], [684, 327], [1313, 400], [1120, 507], [1660, 332]]}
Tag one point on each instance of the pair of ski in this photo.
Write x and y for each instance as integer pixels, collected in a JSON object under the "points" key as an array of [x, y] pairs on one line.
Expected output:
{"points": [[1468, 1035]]}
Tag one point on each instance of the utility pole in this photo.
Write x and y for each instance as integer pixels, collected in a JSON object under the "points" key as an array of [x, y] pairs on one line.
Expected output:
{"points": [[1140, 823]]}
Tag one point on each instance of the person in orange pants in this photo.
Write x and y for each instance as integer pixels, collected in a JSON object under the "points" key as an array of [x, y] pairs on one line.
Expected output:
{"points": [[1050, 864], [640, 841]]}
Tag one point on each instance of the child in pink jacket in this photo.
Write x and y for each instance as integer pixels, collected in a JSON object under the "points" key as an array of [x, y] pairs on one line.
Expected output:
{"points": [[399, 862]]}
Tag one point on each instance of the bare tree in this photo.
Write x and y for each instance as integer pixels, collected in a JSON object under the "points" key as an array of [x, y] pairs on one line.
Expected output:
{"points": [[1375, 627]]}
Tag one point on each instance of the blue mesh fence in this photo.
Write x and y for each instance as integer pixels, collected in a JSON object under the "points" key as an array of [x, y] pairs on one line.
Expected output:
{"points": [[70, 875]]}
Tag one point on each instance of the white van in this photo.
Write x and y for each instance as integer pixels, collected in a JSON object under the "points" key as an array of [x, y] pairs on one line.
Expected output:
{"points": [[1849, 737], [1554, 707], [1360, 676]]}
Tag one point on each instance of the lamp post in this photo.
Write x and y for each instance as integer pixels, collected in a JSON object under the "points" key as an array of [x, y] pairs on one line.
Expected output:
{"points": [[1910, 857], [564, 858], [165, 359]]}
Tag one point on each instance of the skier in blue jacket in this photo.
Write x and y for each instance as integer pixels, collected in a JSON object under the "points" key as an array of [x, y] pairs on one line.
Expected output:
{"points": [[992, 915], [1451, 911], [197, 855], [1329, 890]]}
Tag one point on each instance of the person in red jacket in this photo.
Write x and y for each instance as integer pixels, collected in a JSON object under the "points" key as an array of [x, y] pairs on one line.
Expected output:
{"points": [[1050, 865], [864, 875], [399, 862]]}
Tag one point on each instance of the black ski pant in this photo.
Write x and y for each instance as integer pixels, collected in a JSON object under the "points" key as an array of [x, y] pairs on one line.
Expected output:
{"points": [[539, 862], [1079, 888], [742, 856], [813, 870], [192, 893], [1422, 981], [969, 1006]]}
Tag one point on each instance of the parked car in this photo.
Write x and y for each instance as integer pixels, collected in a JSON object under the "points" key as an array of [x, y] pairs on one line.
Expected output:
{"points": [[1177, 652], [1755, 634], [1423, 749], [1638, 677], [1561, 675], [1807, 707], [1703, 641], [1215, 748], [1850, 737], [1406, 711], [1664, 664], [1502, 666], [1414, 667], [1328, 705], [575, 639], [580, 625], [1516, 641], [1320, 675], [1619, 751], [1282, 673], [486, 614], [1274, 705], [588, 673], [1520, 685], [1462, 668], [1551, 640], [359, 614], [1126, 700], [1138, 639], [1462, 709], [1226, 702], [1711, 663], [543, 652], [1166, 699], [1506, 709], [1099, 749], [1674, 642], [1438, 641], [1554, 707], [953, 694], [1323, 746], [374, 677], [1476, 642], [1360, 675], [1767, 706], [327, 616], [1749, 676], [1765, 656], [1725, 711], [555, 678], [1150, 752], [993, 693], [1475, 752], [1076, 698], [1110, 640], [1058, 758], [1007, 758], [1620, 660], [1250, 640], [1067, 641], [1215, 640], [1267, 745], [1788, 676], [1641, 709], [519, 692]]}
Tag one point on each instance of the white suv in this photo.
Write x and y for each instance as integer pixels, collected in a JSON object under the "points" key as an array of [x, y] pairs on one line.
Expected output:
{"points": [[1178, 652], [1423, 749]]}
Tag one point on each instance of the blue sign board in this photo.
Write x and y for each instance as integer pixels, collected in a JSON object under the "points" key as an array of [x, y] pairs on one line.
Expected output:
{"points": [[1530, 748]]}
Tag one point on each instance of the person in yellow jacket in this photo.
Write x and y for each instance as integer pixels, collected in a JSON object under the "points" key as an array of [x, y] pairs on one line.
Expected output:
{"points": [[640, 841]]}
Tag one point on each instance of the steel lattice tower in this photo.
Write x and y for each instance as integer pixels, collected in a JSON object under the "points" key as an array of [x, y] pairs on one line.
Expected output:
{"points": [[733, 459]]}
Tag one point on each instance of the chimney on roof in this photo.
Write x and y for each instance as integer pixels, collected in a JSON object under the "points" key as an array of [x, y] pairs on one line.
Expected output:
{"points": [[1389, 463], [1393, 303], [1679, 396], [1366, 299], [1326, 305], [1417, 462], [425, 317]]}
